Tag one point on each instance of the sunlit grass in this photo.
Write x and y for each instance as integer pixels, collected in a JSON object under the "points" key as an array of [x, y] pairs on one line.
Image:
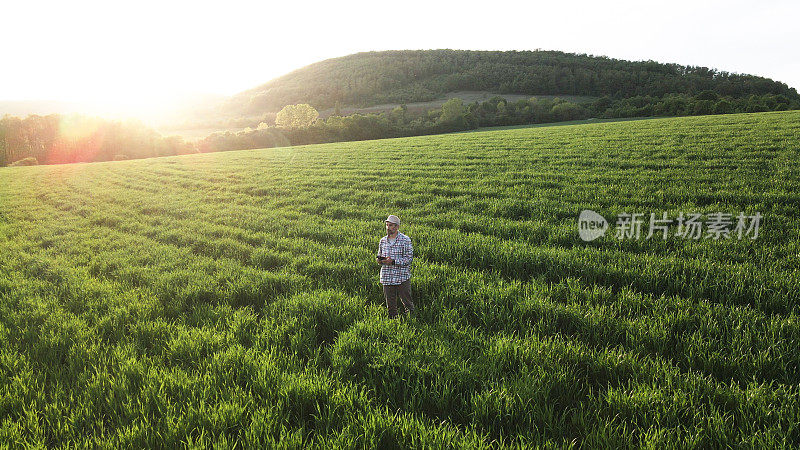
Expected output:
{"points": [[232, 298]]}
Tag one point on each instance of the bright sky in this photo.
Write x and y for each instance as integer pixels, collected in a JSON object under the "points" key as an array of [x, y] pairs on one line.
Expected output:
{"points": [[144, 52]]}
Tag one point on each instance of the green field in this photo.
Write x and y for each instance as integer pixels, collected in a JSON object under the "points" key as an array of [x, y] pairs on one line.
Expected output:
{"points": [[232, 298]]}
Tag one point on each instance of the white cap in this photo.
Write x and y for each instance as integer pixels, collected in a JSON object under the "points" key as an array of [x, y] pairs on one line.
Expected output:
{"points": [[393, 219]]}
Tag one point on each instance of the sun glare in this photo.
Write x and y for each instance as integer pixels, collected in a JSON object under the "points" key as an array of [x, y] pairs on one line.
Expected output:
{"points": [[141, 102], [76, 128]]}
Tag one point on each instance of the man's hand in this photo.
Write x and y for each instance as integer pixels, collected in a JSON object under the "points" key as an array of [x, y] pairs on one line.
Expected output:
{"points": [[388, 261]]}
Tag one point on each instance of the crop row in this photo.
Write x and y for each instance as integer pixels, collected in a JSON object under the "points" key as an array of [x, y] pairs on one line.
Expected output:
{"points": [[231, 298]]}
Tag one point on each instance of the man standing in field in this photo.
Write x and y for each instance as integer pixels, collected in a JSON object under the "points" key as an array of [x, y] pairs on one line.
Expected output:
{"points": [[394, 255]]}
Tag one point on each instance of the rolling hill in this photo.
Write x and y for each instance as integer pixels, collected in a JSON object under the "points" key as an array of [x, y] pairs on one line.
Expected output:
{"points": [[408, 76]]}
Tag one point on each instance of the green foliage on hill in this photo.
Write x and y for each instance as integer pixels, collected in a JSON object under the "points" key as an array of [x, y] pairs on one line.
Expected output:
{"points": [[371, 78]]}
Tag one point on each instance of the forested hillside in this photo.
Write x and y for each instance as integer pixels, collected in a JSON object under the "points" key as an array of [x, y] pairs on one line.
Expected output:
{"points": [[406, 76]]}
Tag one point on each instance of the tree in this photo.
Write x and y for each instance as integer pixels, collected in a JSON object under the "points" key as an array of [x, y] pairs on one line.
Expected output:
{"points": [[723, 107], [602, 104], [568, 111], [455, 116], [707, 95], [296, 116], [452, 110]]}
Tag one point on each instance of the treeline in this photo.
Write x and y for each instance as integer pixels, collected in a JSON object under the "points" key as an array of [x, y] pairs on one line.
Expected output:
{"points": [[454, 115], [372, 78], [707, 102], [57, 139]]}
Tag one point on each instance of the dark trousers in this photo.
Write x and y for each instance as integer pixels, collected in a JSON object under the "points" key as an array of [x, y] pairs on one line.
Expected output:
{"points": [[402, 290]]}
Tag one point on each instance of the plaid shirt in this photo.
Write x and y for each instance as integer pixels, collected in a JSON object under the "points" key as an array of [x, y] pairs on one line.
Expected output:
{"points": [[402, 253]]}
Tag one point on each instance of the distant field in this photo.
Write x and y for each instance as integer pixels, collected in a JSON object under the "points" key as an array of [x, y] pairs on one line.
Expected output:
{"points": [[232, 299]]}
